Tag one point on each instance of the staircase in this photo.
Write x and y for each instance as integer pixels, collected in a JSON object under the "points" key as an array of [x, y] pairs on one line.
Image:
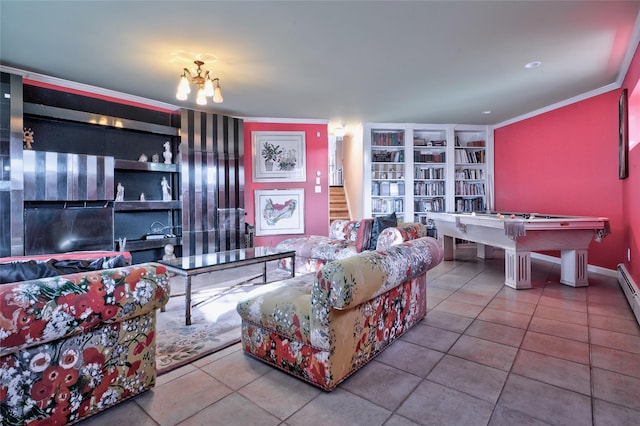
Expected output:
{"points": [[337, 204]]}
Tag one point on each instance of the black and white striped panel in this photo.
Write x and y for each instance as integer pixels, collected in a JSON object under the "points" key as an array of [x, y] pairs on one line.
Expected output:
{"points": [[54, 176], [212, 153]]}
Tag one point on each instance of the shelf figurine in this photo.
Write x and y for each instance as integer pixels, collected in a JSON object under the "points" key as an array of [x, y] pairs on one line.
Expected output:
{"points": [[143, 158], [167, 153], [166, 189], [27, 138], [120, 192], [155, 158], [168, 252], [142, 197]]}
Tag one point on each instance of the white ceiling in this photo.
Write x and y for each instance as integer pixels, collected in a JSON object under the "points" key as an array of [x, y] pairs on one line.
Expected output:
{"points": [[348, 62]]}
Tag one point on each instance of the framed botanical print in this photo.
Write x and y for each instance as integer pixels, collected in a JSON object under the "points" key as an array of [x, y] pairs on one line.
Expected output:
{"points": [[279, 156], [279, 211]]}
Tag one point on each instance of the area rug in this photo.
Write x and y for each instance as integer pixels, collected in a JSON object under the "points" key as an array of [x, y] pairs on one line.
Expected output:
{"points": [[215, 322]]}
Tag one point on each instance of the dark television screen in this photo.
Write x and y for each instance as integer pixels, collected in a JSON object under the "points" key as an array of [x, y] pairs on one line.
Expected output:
{"points": [[59, 230]]}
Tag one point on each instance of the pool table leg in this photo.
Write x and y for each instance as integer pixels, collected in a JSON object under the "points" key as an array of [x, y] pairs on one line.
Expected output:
{"points": [[573, 268], [448, 245], [517, 269], [484, 251]]}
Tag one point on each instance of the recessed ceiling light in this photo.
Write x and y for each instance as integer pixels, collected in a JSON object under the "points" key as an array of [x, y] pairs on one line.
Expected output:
{"points": [[533, 64], [487, 111]]}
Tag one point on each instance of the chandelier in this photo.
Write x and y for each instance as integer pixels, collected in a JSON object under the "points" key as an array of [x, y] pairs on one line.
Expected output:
{"points": [[204, 83]]}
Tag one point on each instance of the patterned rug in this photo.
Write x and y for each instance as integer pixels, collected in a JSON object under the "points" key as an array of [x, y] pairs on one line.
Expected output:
{"points": [[215, 322]]}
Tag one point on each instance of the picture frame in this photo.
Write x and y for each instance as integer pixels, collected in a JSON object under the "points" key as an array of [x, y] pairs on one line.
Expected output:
{"points": [[623, 136], [279, 156], [279, 211]]}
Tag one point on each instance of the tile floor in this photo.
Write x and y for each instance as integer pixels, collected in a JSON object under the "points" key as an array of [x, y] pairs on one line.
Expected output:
{"points": [[484, 355]]}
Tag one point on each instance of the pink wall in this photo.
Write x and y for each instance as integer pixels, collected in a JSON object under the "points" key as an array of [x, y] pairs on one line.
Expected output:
{"points": [[631, 185], [316, 215], [566, 162]]}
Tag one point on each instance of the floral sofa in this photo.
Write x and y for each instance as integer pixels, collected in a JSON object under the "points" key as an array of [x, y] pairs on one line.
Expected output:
{"points": [[73, 345], [323, 327], [346, 238]]}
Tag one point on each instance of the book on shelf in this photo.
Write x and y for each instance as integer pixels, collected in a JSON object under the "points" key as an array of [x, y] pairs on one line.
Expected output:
{"points": [[385, 189]]}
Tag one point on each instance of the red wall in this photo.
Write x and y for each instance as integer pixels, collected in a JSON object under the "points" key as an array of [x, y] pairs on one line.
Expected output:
{"points": [[316, 215], [631, 185], [566, 162]]}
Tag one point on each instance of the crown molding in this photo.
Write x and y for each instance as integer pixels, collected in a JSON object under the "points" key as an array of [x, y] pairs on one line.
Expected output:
{"points": [[55, 81]]}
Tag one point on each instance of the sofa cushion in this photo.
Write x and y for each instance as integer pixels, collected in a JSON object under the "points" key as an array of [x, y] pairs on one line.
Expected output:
{"points": [[282, 306], [364, 234], [380, 223], [397, 234]]}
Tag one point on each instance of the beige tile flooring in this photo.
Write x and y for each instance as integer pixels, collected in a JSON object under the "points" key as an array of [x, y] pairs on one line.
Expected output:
{"points": [[484, 354]]}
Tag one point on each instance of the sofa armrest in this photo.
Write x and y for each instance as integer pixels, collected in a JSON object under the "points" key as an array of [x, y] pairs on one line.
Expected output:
{"points": [[43, 310], [346, 283], [397, 234]]}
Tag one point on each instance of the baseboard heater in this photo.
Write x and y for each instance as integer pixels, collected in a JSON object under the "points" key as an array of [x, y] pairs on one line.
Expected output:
{"points": [[630, 289]]}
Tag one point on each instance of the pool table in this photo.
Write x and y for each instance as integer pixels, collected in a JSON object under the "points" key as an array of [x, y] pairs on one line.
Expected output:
{"points": [[521, 233]]}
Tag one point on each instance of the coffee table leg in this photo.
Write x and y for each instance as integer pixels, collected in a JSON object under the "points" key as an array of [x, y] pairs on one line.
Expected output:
{"points": [[264, 272], [187, 301], [293, 265]]}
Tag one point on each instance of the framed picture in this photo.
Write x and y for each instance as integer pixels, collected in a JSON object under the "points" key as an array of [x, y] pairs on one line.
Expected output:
{"points": [[279, 211], [623, 137], [278, 157]]}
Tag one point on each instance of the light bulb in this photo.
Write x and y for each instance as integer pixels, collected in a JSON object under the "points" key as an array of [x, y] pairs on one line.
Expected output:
{"points": [[201, 99], [217, 94], [183, 87], [208, 87], [181, 96]]}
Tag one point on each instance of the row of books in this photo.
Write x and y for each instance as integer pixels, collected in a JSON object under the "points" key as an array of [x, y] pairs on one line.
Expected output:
{"points": [[428, 188], [467, 188], [428, 173], [428, 157], [470, 205], [425, 142], [379, 205], [386, 172], [431, 205], [476, 143], [387, 156], [387, 138], [469, 174], [386, 189], [464, 157]]}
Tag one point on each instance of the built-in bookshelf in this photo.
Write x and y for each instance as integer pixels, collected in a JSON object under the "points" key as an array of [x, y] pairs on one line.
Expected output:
{"points": [[470, 170], [415, 169], [387, 172], [429, 171]]}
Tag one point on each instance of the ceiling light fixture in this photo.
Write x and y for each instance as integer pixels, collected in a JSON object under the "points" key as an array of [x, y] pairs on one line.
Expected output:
{"points": [[204, 83], [533, 64]]}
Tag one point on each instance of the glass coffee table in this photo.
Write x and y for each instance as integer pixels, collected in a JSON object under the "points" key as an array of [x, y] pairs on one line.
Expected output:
{"points": [[191, 266]]}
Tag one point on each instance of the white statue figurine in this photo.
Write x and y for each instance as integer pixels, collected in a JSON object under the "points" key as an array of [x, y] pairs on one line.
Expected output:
{"points": [[142, 197], [167, 153], [168, 252], [120, 192], [166, 189]]}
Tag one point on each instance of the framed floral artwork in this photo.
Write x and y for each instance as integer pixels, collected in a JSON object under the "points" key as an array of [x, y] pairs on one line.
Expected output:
{"points": [[278, 156], [279, 211]]}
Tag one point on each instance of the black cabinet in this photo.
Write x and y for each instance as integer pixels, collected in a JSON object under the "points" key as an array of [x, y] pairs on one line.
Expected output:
{"points": [[61, 127]]}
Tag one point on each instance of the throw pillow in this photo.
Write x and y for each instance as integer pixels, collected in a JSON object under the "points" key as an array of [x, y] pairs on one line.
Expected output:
{"points": [[379, 224], [24, 271], [364, 234]]}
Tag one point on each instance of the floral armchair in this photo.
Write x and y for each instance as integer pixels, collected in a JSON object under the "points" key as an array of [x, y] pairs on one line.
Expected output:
{"points": [[73, 345], [323, 327]]}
